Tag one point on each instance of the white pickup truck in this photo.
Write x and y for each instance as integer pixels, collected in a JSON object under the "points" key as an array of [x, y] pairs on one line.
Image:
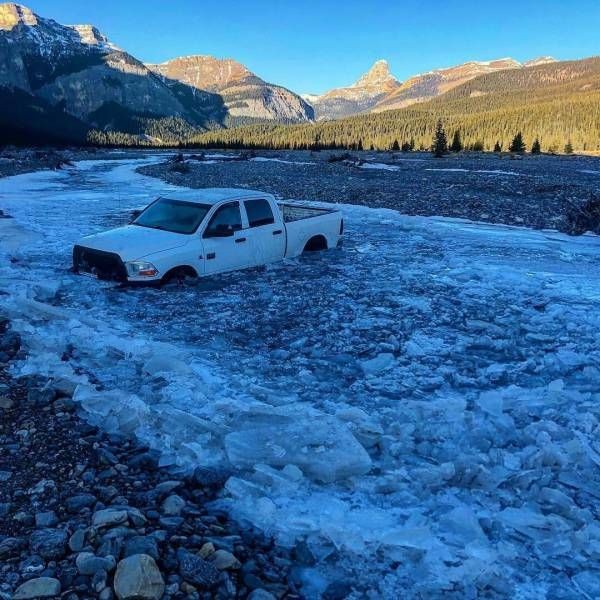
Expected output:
{"points": [[203, 232]]}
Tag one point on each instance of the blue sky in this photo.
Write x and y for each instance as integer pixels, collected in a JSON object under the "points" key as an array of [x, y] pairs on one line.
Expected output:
{"points": [[311, 46]]}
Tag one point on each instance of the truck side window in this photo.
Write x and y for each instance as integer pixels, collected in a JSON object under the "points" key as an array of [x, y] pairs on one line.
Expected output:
{"points": [[259, 212], [225, 221]]}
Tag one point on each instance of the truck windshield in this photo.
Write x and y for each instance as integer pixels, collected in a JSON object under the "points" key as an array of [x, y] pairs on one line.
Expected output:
{"points": [[173, 215]]}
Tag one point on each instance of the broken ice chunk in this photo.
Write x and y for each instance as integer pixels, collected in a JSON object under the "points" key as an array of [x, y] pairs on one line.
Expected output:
{"points": [[114, 410], [382, 362], [491, 402], [322, 448]]}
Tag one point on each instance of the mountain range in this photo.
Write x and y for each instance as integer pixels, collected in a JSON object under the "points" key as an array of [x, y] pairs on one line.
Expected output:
{"points": [[378, 90], [62, 81], [69, 83]]}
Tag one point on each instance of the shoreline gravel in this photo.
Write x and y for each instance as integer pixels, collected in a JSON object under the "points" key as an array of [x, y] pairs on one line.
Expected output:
{"points": [[531, 191], [85, 514]]}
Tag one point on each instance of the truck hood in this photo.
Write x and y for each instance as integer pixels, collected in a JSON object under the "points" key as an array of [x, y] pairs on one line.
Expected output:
{"points": [[132, 241]]}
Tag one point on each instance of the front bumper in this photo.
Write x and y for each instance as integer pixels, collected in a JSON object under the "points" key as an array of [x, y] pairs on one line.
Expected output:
{"points": [[107, 266]]}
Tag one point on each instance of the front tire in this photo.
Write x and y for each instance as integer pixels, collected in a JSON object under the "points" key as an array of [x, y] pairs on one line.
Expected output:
{"points": [[179, 275]]}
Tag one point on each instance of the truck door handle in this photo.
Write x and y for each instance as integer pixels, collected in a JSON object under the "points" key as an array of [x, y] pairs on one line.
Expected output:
{"points": [[277, 232], [210, 256], [240, 240]]}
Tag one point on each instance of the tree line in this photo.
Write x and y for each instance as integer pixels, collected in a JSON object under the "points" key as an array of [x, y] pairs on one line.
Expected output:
{"points": [[440, 145], [559, 104]]}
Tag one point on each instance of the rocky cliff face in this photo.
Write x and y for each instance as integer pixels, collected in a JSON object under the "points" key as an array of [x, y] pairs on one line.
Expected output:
{"points": [[77, 70], [428, 85], [245, 95], [359, 97]]}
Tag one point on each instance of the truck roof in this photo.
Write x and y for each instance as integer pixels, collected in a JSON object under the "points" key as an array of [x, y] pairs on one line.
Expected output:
{"points": [[214, 195]]}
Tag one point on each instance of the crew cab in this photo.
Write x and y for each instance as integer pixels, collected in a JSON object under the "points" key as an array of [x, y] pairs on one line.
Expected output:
{"points": [[204, 232]]}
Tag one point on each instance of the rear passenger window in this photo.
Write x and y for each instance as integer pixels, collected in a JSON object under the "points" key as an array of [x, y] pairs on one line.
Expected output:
{"points": [[259, 213]]}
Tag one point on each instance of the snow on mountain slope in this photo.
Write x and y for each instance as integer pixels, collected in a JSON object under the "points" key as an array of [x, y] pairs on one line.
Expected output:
{"points": [[419, 407]]}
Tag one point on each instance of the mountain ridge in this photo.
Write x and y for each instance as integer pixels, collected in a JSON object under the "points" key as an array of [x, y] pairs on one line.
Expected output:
{"points": [[245, 95]]}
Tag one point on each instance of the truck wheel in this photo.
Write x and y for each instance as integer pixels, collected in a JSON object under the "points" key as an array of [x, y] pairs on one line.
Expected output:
{"points": [[315, 244], [179, 274]]}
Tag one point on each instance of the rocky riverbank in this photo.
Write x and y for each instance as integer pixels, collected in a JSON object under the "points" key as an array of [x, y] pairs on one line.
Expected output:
{"points": [[14, 161], [531, 191], [89, 515]]}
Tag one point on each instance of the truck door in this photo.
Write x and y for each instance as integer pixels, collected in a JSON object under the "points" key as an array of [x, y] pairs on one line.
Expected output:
{"points": [[225, 245], [265, 233]]}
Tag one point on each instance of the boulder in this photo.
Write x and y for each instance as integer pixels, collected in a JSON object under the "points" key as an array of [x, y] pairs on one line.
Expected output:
{"points": [[138, 578], [89, 564], [41, 587], [109, 517]]}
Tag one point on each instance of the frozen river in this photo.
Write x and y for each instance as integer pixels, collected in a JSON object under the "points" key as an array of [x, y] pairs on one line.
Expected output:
{"points": [[421, 406]]}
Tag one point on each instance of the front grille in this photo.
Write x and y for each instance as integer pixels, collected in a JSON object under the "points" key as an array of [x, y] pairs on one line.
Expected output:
{"points": [[104, 265]]}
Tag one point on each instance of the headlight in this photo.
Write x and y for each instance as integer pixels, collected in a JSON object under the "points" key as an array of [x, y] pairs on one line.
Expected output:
{"points": [[141, 269]]}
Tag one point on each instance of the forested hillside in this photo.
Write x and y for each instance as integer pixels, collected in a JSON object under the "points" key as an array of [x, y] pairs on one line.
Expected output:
{"points": [[554, 102]]}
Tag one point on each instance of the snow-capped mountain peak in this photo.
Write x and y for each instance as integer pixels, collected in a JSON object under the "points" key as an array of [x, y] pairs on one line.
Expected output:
{"points": [[540, 60], [12, 14]]}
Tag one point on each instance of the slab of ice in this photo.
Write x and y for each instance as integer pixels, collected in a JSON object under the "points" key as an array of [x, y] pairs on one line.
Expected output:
{"points": [[324, 450]]}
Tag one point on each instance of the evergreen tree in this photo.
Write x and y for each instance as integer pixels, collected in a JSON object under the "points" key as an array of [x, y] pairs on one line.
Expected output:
{"points": [[360, 145], [536, 147], [497, 147], [406, 147], [477, 146], [395, 146], [569, 148], [517, 145], [456, 145], [412, 144], [440, 142]]}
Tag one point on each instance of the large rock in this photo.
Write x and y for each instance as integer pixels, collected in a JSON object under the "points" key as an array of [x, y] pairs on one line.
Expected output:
{"points": [[89, 564], [42, 587], [109, 517], [138, 578], [49, 543], [196, 570], [173, 505]]}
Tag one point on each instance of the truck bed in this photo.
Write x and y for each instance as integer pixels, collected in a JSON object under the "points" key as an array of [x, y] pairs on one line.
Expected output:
{"points": [[295, 212]]}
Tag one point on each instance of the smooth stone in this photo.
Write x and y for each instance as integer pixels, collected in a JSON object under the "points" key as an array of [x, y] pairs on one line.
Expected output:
{"points": [[224, 560], [89, 564], [46, 519], [41, 587], [109, 517], [77, 540], [173, 505], [138, 578], [140, 544], [75, 503]]}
